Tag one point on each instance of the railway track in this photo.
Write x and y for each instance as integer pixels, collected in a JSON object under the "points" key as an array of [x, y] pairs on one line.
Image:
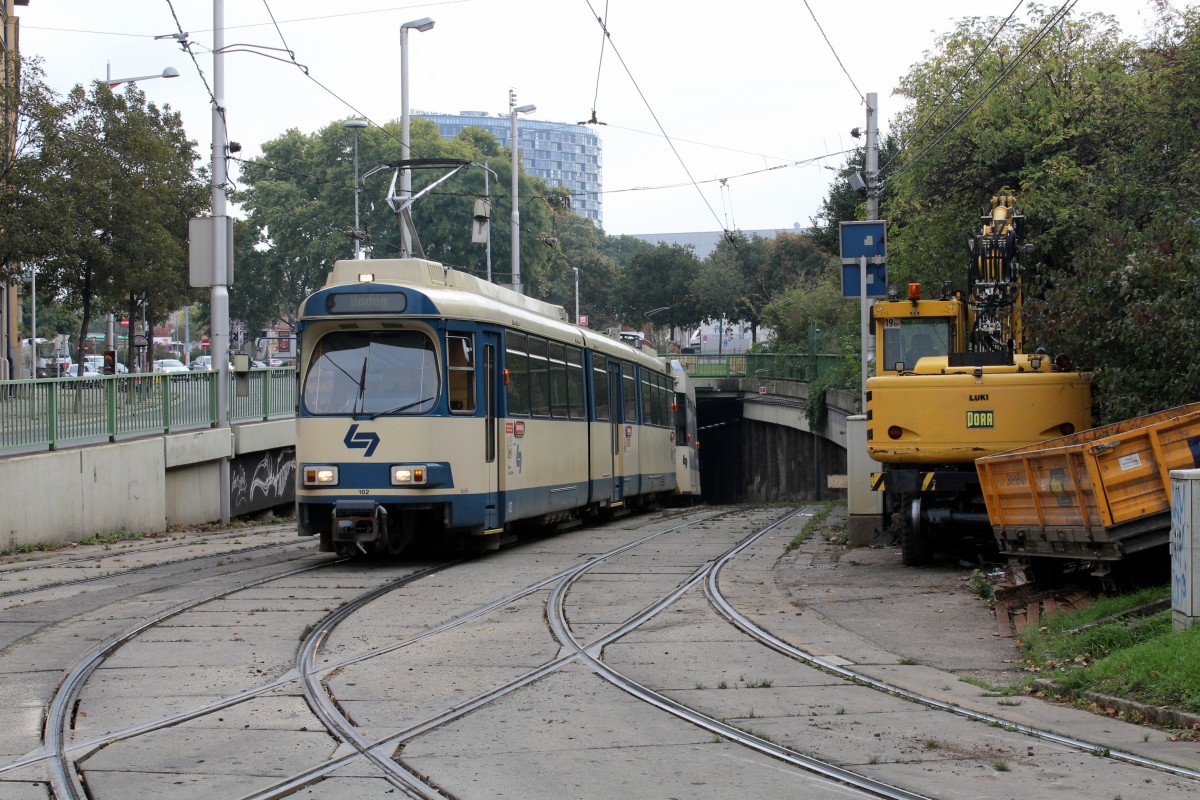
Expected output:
{"points": [[416, 664]]}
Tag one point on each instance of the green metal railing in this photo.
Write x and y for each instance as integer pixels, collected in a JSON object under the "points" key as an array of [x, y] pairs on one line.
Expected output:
{"points": [[48, 413], [777, 366]]}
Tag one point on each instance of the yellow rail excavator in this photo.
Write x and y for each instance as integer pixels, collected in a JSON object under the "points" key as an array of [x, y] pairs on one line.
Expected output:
{"points": [[953, 382]]}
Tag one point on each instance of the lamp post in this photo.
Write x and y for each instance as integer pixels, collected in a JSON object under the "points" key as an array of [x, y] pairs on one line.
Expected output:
{"points": [[653, 327], [110, 327], [421, 25], [356, 125], [576, 294], [513, 110], [169, 72]]}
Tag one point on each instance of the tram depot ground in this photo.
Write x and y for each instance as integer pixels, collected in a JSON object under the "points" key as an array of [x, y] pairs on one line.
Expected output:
{"points": [[932, 616]]}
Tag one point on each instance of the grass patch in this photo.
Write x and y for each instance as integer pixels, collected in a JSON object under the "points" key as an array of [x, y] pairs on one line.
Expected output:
{"points": [[817, 521], [1109, 648], [111, 538], [981, 585]]}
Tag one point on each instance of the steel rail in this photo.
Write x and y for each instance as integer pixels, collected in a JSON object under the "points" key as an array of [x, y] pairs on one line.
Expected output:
{"points": [[556, 615], [131, 570], [63, 779], [723, 607], [377, 752]]}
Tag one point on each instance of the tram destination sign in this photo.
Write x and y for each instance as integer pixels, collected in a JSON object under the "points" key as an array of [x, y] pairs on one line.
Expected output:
{"points": [[366, 303]]}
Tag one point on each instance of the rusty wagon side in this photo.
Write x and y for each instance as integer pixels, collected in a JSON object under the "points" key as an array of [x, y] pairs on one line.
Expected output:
{"points": [[1097, 495]]}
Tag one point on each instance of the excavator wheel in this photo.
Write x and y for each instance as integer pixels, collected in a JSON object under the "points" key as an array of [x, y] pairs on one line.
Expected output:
{"points": [[916, 546]]}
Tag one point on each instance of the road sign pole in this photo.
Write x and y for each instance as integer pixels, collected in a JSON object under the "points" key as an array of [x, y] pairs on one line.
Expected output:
{"points": [[864, 322]]}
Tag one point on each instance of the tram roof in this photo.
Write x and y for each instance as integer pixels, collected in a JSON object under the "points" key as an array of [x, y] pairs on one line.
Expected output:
{"points": [[445, 286]]}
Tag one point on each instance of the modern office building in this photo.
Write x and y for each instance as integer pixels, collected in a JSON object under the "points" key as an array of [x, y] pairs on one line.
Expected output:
{"points": [[560, 153]]}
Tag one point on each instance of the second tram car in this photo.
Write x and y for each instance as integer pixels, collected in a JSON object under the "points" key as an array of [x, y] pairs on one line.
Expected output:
{"points": [[435, 404], [687, 447]]}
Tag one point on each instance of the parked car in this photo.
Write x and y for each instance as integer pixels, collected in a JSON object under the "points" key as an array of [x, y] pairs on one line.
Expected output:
{"points": [[201, 362], [98, 363], [88, 371], [169, 365]]}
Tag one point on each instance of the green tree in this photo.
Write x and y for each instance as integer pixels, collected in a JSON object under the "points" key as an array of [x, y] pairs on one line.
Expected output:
{"points": [[23, 198], [1099, 136], [300, 199], [654, 286], [121, 178]]}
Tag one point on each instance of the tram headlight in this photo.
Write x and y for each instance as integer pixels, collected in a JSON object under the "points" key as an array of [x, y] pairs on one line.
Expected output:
{"points": [[409, 475], [320, 475]]}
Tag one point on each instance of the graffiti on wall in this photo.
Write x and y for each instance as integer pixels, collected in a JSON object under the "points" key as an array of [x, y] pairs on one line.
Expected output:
{"points": [[259, 481]]}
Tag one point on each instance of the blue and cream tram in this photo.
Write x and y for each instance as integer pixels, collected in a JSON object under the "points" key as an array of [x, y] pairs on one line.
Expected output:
{"points": [[433, 404]]}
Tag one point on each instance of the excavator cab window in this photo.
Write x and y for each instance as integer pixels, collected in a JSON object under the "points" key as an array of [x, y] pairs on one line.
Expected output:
{"points": [[906, 341]]}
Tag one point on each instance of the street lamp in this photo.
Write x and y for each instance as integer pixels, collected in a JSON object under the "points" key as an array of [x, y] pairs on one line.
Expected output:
{"points": [[356, 125], [513, 110], [169, 72], [576, 294], [110, 329], [423, 24]]}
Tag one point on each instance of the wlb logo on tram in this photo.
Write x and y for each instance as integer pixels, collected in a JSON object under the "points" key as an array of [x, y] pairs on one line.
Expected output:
{"points": [[981, 419]]}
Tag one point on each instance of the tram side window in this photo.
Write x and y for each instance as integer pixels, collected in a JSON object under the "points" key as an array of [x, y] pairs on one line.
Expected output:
{"points": [[629, 386], [661, 416], [558, 381], [600, 386], [575, 382], [681, 418], [461, 357], [648, 398], [539, 377], [516, 368]]}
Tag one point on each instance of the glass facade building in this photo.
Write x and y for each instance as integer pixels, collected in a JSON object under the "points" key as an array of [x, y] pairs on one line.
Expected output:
{"points": [[560, 153]]}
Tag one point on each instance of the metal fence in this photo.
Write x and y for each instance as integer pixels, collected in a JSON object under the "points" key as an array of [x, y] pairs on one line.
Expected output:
{"points": [[779, 366], [47, 413]]}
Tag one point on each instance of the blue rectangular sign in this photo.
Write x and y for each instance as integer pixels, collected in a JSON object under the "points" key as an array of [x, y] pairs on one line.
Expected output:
{"points": [[876, 280], [864, 239]]}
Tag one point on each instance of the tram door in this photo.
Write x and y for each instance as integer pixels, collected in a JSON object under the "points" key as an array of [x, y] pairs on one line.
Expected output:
{"points": [[618, 439], [493, 505]]}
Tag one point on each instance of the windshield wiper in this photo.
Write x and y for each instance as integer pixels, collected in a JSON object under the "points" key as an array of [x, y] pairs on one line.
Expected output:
{"points": [[362, 388], [404, 407]]}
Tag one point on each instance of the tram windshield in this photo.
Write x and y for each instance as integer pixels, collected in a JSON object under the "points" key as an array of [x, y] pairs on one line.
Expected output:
{"points": [[372, 373]]}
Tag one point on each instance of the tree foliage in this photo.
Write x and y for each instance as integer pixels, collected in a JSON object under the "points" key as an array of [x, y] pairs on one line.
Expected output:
{"points": [[105, 185], [1098, 135], [300, 199]]}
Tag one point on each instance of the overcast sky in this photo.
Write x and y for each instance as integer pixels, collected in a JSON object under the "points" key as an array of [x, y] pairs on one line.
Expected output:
{"points": [[753, 101]]}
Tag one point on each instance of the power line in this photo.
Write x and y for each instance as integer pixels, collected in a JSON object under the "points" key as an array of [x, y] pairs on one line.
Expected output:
{"points": [[835, 55], [1053, 20], [953, 89], [646, 102]]}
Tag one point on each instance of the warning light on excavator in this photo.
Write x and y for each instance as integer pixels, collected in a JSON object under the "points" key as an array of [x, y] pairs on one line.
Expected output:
{"points": [[914, 292]]}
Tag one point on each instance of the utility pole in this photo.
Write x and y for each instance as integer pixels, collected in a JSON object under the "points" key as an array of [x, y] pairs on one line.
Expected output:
{"points": [[219, 294], [871, 176]]}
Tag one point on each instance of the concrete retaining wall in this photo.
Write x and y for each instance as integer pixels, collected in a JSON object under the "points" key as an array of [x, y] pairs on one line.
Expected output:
{"points": [[141, 486]]}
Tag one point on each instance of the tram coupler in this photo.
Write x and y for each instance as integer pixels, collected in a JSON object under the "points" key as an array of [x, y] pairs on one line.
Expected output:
{"points": [[359, 521]]}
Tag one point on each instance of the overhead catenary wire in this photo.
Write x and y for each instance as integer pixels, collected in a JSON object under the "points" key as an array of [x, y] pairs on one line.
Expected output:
{"points": [[832, 50], [649, 108], [966, 73], [599, 66], [1053, 20]]}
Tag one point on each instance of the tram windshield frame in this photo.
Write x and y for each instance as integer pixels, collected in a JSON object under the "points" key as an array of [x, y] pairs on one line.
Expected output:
{"points": [[372, 373]]}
